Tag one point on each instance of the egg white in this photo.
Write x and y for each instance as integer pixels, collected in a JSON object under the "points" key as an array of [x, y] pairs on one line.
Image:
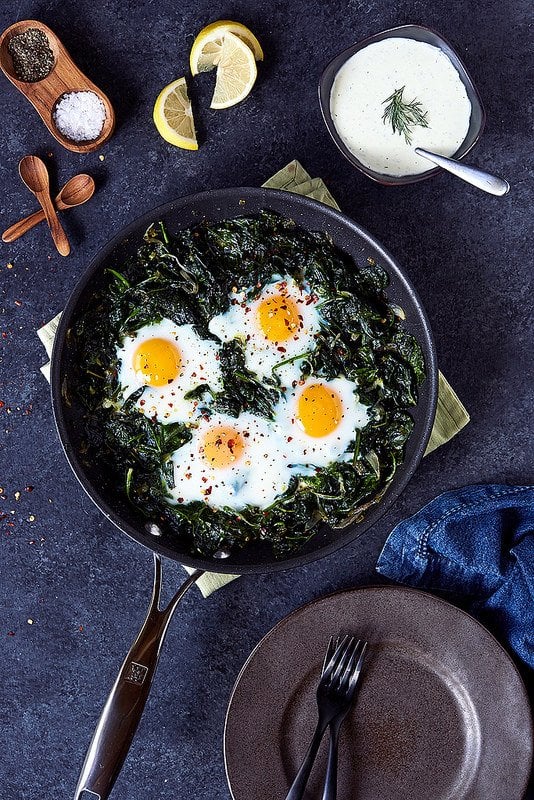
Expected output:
{"points": [[199, 366], [320, 451], [257, 478], [263, 355]]}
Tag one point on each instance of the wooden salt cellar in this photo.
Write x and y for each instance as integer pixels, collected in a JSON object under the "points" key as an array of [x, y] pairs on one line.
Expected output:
{"points": [[63, 77]]}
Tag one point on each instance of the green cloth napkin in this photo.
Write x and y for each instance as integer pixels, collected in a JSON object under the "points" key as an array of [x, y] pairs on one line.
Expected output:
{"points": [[451, 416]]}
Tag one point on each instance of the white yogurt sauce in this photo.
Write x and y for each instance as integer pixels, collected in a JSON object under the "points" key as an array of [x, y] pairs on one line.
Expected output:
{"points": [[370, 76]]}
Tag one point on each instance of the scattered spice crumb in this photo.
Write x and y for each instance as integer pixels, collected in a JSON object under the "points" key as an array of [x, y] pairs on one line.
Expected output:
{"points": [[28, 488], [30, 622], [80, 627], [18, 303], [31, 518], [17, 496], [11, 633], [101, 158], [10, 265]]}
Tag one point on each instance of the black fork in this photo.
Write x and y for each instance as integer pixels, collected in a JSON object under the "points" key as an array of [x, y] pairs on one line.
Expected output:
{"points": [[335, 693]]}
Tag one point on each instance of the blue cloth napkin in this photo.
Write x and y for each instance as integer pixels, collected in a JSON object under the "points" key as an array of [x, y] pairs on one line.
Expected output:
{"points": [[475, 545]]}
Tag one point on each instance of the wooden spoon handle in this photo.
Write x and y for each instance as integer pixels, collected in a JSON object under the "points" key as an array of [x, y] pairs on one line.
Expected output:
{"points": [[58, 234], [21, 227]]}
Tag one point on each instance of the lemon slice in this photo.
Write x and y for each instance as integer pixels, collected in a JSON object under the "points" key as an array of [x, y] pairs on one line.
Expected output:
{"points": [[236, 72], [173, 116], [207, 47]]}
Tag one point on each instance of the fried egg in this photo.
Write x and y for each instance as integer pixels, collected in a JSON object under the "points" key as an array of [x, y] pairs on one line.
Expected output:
{"points": [[168, 360], [280, 324], [231, 462], [318, 420]]}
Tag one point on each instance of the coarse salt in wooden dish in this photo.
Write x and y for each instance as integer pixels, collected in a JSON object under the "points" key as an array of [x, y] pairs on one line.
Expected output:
{"points": [[63, 78]]}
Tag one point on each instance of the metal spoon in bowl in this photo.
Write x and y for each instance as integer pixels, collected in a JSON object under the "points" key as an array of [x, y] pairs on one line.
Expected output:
{"points": [[34, 175], [477, 177], [79, 189]]}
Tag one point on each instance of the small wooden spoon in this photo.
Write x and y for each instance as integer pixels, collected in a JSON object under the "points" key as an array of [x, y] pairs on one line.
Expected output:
{"points": [[79, 189], [34, 174]]}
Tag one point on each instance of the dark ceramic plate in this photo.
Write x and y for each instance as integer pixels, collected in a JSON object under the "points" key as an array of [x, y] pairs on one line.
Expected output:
{"points": [[420, 34], [441, 714]]}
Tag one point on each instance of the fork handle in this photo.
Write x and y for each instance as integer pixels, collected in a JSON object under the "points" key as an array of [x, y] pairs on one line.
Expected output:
{"points": [[330, 782], [299, 784]]}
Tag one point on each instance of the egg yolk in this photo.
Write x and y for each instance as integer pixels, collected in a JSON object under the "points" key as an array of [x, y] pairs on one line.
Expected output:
{"points": [[158, 361], [278, 317], [319, 410], [223, 446]]}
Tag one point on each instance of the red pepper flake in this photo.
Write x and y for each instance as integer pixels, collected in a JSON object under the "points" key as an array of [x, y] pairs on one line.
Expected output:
{"points": [[204, 479], [208, 490], [180, 499], [80, 628], [188, 475], [18, 303], [281, 349], [11, 633], [2, 404], [289, 438]]}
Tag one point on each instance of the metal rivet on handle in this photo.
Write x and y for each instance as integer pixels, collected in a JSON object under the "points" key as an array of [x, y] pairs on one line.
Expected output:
{"points": [[154, 529], [221, 554]]}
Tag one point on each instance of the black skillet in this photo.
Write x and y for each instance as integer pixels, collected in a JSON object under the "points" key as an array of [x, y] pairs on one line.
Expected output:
{"points": [[125, 704]]}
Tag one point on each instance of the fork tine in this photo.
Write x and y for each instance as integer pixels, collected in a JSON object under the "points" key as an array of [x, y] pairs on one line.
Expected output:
{"points": [[343, 658], [330, 650], [357, 668], [334, 659], [349, 669]]}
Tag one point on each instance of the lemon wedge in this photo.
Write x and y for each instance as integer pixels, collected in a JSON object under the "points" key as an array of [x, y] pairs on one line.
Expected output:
{"points": [[236, 72], [207, 47], [173, 116]]}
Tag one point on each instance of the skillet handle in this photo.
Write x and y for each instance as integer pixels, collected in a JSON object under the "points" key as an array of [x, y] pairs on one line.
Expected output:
{"points": [[121, 715]]}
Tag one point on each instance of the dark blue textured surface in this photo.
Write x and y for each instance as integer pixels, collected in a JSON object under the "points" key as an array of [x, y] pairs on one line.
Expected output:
{"points": [[84, 585]]}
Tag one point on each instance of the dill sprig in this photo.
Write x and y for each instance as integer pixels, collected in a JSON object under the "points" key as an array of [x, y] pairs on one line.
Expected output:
{"points": [[402, 115]]}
